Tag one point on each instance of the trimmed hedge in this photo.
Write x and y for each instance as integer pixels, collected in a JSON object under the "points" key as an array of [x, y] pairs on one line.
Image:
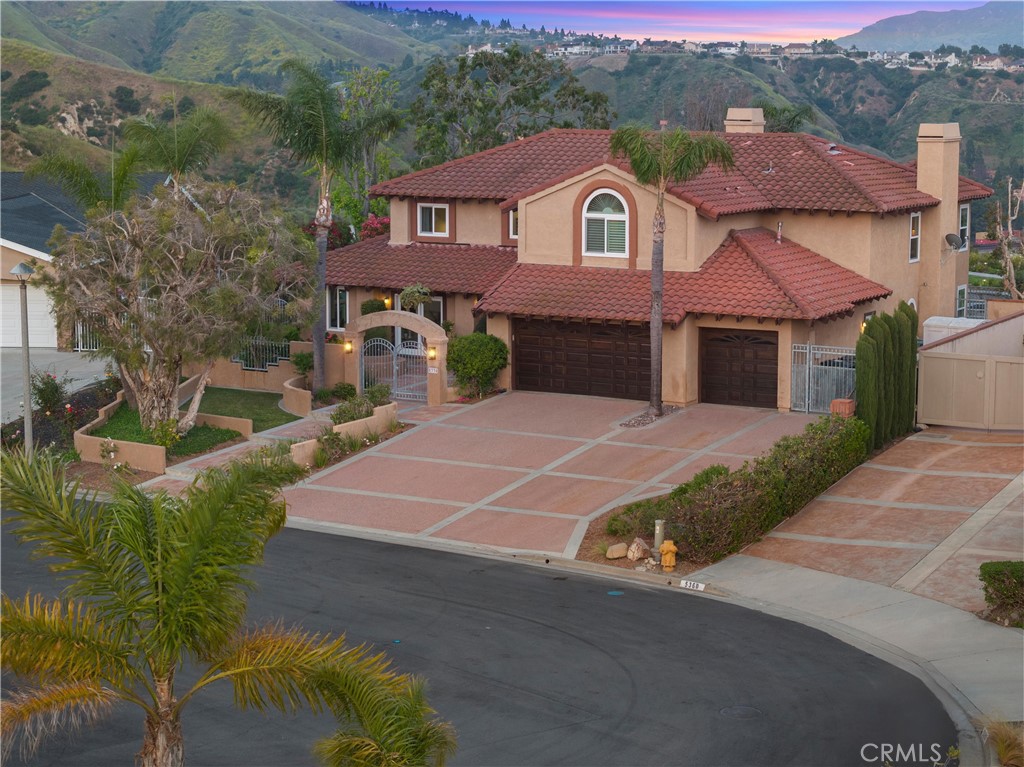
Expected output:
{"points": [[476, 360], [886, 374], [718, 512], [1004, 588]]}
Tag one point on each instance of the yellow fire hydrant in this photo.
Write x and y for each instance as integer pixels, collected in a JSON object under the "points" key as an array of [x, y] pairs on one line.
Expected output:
{"points": [[668, 556]]}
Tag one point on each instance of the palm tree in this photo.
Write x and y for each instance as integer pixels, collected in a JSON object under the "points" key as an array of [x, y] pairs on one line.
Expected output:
{"points": [[181, 146], [784, 118], [153, 582], [307, 121], [86, 187], [390, 728], [658, 159]]}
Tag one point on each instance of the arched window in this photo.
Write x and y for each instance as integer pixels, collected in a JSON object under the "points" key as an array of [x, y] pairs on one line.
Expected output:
{"points": [[605, 223]]}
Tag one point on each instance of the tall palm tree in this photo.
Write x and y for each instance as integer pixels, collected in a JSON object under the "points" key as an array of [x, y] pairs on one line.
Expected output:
{"points": [[307, 121], [85, 186], [784, 118], [658, 159], [153, 582], [181, 146]]}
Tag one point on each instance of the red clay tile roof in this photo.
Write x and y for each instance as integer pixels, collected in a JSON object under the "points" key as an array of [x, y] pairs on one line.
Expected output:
{"points": [[774, 171], [442, 268], [750, 275], [968, 190]]}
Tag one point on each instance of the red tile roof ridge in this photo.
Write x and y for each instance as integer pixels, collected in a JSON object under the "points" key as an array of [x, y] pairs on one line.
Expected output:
{"points": [[740, 238], [510, 146], [511, 202]]}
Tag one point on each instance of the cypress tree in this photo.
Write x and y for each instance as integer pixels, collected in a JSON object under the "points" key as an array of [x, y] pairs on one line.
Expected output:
{"points": [[904, 361], [911, 369], [894, 381], [879, 331], [867, 383]]}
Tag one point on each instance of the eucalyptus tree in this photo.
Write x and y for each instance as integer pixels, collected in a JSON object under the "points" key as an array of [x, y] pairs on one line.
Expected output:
{"points": [[657, 159], [156, 581]]}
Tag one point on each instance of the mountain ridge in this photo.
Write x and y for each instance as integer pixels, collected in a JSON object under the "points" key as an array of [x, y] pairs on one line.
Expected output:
{"points": [[987, 26]]}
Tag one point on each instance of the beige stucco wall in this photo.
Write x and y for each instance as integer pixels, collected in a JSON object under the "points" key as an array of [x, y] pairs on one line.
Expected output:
{"points": [[400, 234], [998, 308], [500, 326], [478, 223]]}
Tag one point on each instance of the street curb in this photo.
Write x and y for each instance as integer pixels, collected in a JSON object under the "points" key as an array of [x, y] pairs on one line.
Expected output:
{"points": [[974, 752]]}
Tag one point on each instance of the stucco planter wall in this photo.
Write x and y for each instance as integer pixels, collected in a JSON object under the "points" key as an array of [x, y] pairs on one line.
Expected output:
{"points": [[152, 458], [382, 418], [297, 399]]}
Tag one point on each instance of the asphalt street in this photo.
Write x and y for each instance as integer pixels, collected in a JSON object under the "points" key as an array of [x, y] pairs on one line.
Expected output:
{"points": [[540, 667]]}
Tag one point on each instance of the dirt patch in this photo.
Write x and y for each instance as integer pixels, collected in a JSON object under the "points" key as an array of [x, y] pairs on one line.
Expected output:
{"points": [[96, 476], [596, 541]]}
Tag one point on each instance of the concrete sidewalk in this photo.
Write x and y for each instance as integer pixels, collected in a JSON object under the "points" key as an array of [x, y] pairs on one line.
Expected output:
{"points": [[979, 665]]}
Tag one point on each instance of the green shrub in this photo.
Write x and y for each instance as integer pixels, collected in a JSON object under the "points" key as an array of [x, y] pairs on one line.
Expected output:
{"points": [[476, 360], [303, 362], [49, 392], [719, 512], [323, 396], [372, 305], [867, 383], [904, 406], [892, 383], [165, 433], [1004, 588], [344, 390], [352, 410], [879, 331], [378, 394], [910, 371], [637, 518]]}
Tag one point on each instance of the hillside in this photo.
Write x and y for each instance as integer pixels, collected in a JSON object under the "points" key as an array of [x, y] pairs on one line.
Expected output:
{"points": [[210, 42], [988, 26]]}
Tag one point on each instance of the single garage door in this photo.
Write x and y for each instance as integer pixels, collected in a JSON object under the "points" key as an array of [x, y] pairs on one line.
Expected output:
{"points": [[582, 358], [739, 367], [42, 330]]}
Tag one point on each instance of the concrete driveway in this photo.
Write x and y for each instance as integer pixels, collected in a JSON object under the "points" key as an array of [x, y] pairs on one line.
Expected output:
{"points": [[920, 517], [79, 368], [525, 471]]}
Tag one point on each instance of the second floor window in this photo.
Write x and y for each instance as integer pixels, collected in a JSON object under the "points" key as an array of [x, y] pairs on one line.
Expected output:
{"points": [[513, 224], [433, 220], [965, 226], [915, 237], [337, 308], [605, 222]]}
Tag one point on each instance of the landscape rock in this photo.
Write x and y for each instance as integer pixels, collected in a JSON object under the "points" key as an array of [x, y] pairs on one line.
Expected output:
{"points": [[616, 551], [638, 550]]}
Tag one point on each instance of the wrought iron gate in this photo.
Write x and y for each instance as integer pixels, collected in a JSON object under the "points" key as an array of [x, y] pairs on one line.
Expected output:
{"points": [[820, 375], [402, 367], [86, 339]]}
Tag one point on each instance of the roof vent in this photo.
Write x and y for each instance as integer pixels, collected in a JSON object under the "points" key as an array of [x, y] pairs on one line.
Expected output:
{"points": [[833, 150], [771, 168]]}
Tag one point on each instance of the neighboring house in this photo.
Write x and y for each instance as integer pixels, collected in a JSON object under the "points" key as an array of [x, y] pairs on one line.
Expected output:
{"points": [[725, 48], [29, 210], [758, 49], [549, 238], [798, 49], [991, 63]]}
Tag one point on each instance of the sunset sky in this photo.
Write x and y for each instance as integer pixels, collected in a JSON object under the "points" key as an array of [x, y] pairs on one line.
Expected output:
{"points": [[750, 20]]}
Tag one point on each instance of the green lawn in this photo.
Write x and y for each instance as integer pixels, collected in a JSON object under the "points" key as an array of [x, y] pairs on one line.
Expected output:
{"points": [[125, 424], [260, 406]]}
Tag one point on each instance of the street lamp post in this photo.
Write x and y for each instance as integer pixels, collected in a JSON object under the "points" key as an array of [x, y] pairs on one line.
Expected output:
{"points": [[23, 271]]}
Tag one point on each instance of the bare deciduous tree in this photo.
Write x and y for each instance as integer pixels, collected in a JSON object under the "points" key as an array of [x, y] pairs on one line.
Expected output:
{"points": [[1010, 247]]}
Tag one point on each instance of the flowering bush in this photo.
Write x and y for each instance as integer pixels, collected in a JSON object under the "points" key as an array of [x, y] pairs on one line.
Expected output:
{"points": [[48, 391], [338, 236], [374, 226]]}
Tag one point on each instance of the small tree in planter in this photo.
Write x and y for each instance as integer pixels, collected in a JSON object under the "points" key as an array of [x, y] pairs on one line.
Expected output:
{"points": [[303, 362], [476, 360], [414, 296]]}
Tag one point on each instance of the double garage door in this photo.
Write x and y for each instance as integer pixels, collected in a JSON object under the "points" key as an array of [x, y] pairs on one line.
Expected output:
{"points": [[582, 358], [42, 330], [736, 367]]}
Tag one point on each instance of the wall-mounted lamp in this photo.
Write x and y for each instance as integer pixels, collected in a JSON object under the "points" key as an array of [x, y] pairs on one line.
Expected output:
{"points": [[387, 302], [348, 347], [431, 352], [864, 323]]}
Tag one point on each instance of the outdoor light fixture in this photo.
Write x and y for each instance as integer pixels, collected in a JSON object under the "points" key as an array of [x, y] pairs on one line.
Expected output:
{"points": [[23, 271], [387, 302], [348, 347], [431, 352]]}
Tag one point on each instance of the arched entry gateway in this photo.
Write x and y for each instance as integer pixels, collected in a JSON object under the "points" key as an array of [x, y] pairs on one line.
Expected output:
{"points": [[414, 369]]}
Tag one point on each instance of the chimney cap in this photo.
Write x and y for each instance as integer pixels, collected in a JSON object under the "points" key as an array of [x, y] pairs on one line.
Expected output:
{"points": [[946, 131]]}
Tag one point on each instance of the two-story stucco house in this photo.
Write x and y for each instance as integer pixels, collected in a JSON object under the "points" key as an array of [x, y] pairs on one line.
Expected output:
{"points": [[549, 239]]}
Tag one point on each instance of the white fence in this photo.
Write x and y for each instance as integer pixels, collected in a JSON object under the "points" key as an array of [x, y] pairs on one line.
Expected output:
{"points": [[820, 375]]}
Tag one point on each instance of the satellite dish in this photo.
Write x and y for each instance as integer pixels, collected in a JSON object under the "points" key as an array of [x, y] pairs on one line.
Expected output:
{"points": [[954, 241]]}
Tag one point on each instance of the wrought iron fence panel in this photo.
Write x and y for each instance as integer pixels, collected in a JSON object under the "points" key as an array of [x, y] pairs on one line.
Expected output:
{"points": [[86, 339], [820, 375], [260, 353]]}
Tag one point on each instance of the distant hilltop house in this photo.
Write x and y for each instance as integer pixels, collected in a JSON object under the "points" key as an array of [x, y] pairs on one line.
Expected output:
{"points": [[546, 243], [724, 48], [621, 47], [991, 63], [760, 49], [798, 49]]}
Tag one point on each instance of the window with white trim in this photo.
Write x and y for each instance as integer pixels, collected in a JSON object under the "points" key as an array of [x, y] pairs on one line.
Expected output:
{"points": [[961, 301], [605, 223], [915, 237], [432, 220], [965, 226], [513, 224], [337, 307]]}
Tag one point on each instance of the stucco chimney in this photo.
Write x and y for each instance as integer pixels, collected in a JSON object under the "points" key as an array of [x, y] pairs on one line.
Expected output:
{"points": [[938, 174], [744, 120]]}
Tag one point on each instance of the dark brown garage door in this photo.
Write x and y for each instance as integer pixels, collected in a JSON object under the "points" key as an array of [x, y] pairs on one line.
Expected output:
{"points": [[739, 367], [582, 358]]}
